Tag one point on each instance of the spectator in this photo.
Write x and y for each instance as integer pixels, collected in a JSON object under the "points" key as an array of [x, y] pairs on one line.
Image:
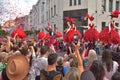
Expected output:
{"points": [[15, 49], [72, 74], [118, 48], [38, 63], [98, 70], [4, 75], [50, 73], [17, 67], [87, 75], [60, 66], [91, 57], [3, 62], [116, 76], [109, 65], [42, 61]]}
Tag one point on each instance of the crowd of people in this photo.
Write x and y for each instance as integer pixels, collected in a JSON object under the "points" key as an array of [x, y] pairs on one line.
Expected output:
{"points": [[49, 57]]}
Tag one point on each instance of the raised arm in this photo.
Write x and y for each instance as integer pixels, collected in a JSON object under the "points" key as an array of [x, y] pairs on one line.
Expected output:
{"points": [[117, 27], [79, 57]]}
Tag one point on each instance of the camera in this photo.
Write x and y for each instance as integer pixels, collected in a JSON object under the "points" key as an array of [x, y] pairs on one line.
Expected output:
{"points": [[75, 38]]}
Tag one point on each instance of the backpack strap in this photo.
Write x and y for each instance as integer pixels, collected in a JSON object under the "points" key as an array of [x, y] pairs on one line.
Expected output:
{"points": [[49, 75]]}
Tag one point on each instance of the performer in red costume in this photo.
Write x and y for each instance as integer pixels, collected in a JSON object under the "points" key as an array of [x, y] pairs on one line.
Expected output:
{"points": [[19, 33], [91, 35], [71, 30], [109, 35]]}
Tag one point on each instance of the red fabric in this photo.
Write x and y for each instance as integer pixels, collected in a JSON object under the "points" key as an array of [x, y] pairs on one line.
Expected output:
{"points": [[104, 36], [65, 38], [41, 35], [47, 36], [67, 19], [115, 13], [51, 41], [72, 20], [20, 33], [68, 37], [57, 45], [90, 17], [91, 35], [109, 37], [58, 34]]}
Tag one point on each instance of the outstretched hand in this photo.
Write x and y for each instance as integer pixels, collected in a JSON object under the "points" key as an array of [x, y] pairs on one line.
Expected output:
{"points": [[52, 48], [77, 45]]}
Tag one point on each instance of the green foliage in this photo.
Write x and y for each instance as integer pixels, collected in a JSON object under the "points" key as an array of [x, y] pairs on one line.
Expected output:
{"points": [[3, 33], [29, 32]]}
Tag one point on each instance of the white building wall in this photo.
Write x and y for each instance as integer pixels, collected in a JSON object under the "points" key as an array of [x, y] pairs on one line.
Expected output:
{"points": [[94, 8], [84, 4], [53, 16], [101, 16]]}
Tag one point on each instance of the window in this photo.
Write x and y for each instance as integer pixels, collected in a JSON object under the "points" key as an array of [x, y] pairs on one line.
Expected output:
{"points": [[110, 5], [79, 2], [74, 2], [117, 24], [46, 15], [117, 5], [103, 25], [55, 27], [54, 10], [51, 12], [70, 2], [104, 5]]}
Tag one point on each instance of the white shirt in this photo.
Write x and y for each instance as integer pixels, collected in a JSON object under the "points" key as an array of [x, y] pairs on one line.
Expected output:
{"points": [[111, 73]]}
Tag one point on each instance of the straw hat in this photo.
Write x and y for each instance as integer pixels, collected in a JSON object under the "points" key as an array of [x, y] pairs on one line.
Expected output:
{"points": [[17, 67]]}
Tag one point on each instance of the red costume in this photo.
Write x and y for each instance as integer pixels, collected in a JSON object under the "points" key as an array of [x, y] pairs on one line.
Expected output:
{"points": [[91, 35], [110, 35], [69, 35], [19, 33]]}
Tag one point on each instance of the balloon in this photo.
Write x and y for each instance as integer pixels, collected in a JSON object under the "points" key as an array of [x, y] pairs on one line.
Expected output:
{"points": [[81, 18]]}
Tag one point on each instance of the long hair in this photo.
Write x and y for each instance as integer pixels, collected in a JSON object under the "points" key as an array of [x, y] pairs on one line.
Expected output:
{"points": [[107, 60], [98, 70], [72, 74], [92, 56]]}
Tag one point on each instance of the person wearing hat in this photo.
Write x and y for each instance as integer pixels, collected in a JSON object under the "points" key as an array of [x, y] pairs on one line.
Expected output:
{"points": [[17, 67], [110, 35], [71, 33], [91, 35]]}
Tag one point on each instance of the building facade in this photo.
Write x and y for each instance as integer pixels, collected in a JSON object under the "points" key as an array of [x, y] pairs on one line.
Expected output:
{"points": [[54, 11]]}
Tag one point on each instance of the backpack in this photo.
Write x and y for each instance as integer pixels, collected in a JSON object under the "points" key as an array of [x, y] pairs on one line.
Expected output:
{"points": [[60, 69], [51, 75]]}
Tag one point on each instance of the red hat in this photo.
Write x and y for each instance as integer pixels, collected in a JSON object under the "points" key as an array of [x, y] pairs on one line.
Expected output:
{"points": [[41, 35], [72, 20], [90, 17], [47, 36], [115, 13], [58, 34], [67, 19]]}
